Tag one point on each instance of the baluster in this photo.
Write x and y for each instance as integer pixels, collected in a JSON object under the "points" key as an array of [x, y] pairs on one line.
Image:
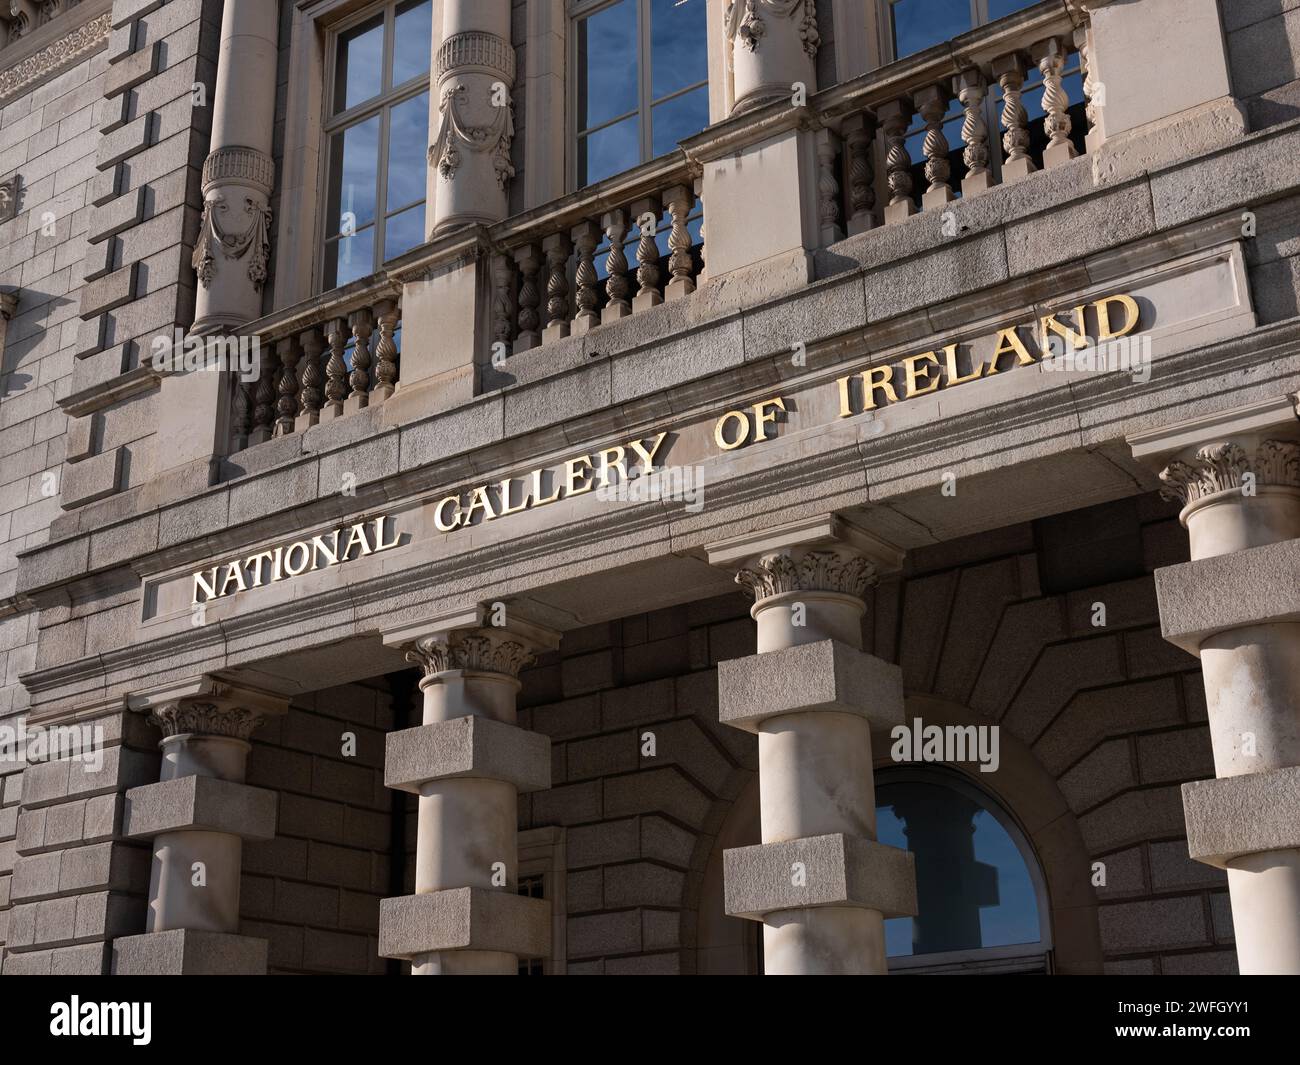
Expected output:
{"points": [[617, 285], [557, 249], [1010, 72], [529, 262], [703, 275], [645, 216], [894, 119], [264, 404], [502, 308], [969, 87], [856, 132], [310, 379], [586, 235], [386, 316], [828, 189], [679, 200], [244, 391], [932, 103], [359, 378], [1050, 55], [287, 386], [1095, 99], [336, 369]]}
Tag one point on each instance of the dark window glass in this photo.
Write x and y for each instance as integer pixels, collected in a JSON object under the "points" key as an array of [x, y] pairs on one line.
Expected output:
{"points": [[921, 24], [408, 134], [607, 64], [412, 41], [359, 67], [678, 47], [1002, 8], [354, 158]]}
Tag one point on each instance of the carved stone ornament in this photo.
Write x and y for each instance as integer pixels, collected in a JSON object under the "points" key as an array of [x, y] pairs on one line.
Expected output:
{"points": [[254, 241], [808, 571], [55, 56], [205, 718], [1223, 466], [455, 135], [745, 25], [11, 194], [478, 650]]}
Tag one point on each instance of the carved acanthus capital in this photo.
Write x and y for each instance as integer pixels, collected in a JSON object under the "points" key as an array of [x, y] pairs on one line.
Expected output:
{"points": [[205, 717], [745, 25], [808, 570], [1227, 466], [486, 650]]}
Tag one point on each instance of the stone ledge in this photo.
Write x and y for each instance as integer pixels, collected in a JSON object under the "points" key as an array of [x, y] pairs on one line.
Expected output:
{"points": [[467, 747], [187, 952], [200, 804], [464, 919], [1246, 814], [840, 871], [823, 676], [1210, 595]]}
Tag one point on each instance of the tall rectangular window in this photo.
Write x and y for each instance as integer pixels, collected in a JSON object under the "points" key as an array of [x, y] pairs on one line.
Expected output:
{"points": [[916, 25], [376, 140], [641, 69]]}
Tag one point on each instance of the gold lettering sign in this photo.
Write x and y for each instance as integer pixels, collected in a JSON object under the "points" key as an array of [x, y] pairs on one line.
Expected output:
{"points": [[302, 556]]}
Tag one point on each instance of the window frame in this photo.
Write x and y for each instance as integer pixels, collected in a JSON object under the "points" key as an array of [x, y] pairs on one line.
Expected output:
{"points": [[575, 11], [382, 104], [1014, 957]]}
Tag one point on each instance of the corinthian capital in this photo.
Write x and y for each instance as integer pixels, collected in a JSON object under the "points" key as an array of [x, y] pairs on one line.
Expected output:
{"points": [[484, 650], [1227, 466], [808, 570], [205, 718]]}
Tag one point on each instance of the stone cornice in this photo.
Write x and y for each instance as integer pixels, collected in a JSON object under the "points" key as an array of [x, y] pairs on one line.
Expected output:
{"points": [[52, 48]]}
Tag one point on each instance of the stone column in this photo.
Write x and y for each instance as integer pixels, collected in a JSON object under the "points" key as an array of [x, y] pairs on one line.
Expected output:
{"points": [[771, 45], [820, 882], [1236, 605], [474, 73], [467, 762], [233, 249], [198, 815]]}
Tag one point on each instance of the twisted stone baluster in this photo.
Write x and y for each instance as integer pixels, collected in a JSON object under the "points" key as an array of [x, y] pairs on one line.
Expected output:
{"points": [[969, 87], [243, 412], [386, 315], [336, 369], [856, 132], [1010, 71], [894, 118], [264, 404], [557, 249], [932, 102], [678, 200], [1095, 99], [502, 285], [287, 404], [828, 190], [1056, 103], [617, 285], [645, 216], [586, 235], [529, 262], [310, 378], [359, 379]]}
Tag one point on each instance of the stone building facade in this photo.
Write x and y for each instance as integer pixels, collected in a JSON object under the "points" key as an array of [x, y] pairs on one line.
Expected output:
{"points": [[624, 486]]}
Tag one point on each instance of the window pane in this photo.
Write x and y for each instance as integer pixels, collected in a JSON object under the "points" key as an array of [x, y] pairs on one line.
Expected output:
{"points": [[999, 8], [919, 24], [354, 162], [973, 886], [608, 151], [348, 258], [607, 67], [403, 231], [413, 40], [676, 119], [359, 64], [408, 133], [678, 46]]}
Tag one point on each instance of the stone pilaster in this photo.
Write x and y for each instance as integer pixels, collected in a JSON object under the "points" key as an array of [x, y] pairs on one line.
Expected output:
{"points": [[820, 882], [232, 252], [771, 46], [198, 815], [1235, 605], [474, 74], [467, 762]]}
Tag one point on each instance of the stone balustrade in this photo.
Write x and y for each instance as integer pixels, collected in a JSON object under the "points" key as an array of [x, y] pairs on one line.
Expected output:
{"points": [[321, 359], [609, 251]]}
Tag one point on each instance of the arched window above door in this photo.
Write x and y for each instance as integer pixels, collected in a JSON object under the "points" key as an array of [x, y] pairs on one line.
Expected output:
{"points": [[981, 895]]}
